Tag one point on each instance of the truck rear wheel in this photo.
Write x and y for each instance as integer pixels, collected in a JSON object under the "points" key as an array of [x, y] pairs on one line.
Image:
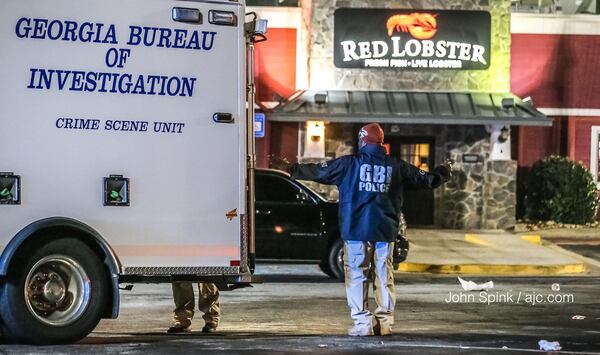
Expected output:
{"points": [[56, 294]]}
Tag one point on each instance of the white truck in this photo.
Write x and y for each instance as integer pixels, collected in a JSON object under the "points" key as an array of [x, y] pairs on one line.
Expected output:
{"points": [[126, 155]]}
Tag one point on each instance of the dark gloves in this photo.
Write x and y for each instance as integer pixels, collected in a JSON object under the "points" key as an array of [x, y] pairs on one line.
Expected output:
{"points": [[444, 170], [449, 165]]}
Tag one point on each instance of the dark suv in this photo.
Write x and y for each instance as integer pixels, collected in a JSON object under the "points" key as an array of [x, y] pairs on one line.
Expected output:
{"points": [[294, 223]]}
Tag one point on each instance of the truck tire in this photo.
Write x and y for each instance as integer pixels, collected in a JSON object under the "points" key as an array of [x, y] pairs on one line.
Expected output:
{"points": [[56, 294], [335, 260]]}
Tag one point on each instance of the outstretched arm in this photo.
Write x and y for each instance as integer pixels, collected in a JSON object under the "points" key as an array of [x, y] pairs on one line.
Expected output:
{"points": [[330, 172], [415, 178]]}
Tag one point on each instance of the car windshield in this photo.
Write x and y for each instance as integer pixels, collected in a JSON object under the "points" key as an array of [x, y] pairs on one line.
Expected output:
{"points": [[324, 192], [277, 186]]}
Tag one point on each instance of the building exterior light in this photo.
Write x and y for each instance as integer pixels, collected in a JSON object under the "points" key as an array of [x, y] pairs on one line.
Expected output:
{"points": [[314, 145]]}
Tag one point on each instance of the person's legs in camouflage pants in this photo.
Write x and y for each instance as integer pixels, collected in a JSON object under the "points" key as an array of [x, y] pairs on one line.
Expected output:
{"points": [[183, 295], [208, 303]]}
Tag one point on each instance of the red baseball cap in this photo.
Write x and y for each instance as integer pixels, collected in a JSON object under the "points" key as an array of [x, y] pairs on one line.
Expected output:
{"points": [[371, 134]]}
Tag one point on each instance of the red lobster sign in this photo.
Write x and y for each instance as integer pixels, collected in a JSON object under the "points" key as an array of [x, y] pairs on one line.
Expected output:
{"points": [[420, 25]]}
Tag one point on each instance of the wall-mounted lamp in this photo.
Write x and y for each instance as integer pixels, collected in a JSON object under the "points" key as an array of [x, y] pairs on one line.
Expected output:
{"points": [[315, 130], [314, 144], [508, 102], [504, 134], [321, 98]]}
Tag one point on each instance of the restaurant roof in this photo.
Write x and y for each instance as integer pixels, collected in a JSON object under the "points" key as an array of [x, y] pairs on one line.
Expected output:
{"points": [[408, 107]]}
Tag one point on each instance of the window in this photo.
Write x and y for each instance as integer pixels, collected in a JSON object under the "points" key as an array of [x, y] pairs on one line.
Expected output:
{"points": [[564, 7], [416, 154], [275, 189]]}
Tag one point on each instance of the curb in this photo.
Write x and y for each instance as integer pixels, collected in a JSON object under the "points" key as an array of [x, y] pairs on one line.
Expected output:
{"points": [[577, 266], [587, 260], [532, 238], [475, 239], [494, 269]]}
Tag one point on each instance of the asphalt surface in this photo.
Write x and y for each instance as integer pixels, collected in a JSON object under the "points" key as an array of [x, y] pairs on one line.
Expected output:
{"points": [[297, 309], [588, 249]]}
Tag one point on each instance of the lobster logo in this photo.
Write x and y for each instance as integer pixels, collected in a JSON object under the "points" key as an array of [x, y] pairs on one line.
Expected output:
{"points": [[419, 25]]}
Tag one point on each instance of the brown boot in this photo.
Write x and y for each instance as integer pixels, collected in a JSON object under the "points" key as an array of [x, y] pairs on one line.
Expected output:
{"points": [[209, 328], [178, 328], [382, 331]]}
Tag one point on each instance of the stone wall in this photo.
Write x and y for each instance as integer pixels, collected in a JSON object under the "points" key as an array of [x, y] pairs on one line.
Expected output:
{"points": [[323, 74], [462, 205], [500, 195]]}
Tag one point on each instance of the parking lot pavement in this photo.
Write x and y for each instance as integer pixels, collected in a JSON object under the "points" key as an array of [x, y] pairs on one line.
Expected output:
{"points": [[297, 309], [588, 249]]}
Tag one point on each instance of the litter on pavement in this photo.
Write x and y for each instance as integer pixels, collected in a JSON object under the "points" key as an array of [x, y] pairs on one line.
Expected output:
{"points": [[546, 345], [472, 286]]}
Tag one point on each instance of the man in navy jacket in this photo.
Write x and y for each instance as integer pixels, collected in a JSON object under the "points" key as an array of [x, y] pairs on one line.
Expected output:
{"points": [[371, 185]]}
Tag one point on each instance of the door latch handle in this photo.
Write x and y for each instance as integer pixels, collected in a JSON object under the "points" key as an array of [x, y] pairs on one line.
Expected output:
{"points": [[263, 212], [222, 117], [182, 14]]}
